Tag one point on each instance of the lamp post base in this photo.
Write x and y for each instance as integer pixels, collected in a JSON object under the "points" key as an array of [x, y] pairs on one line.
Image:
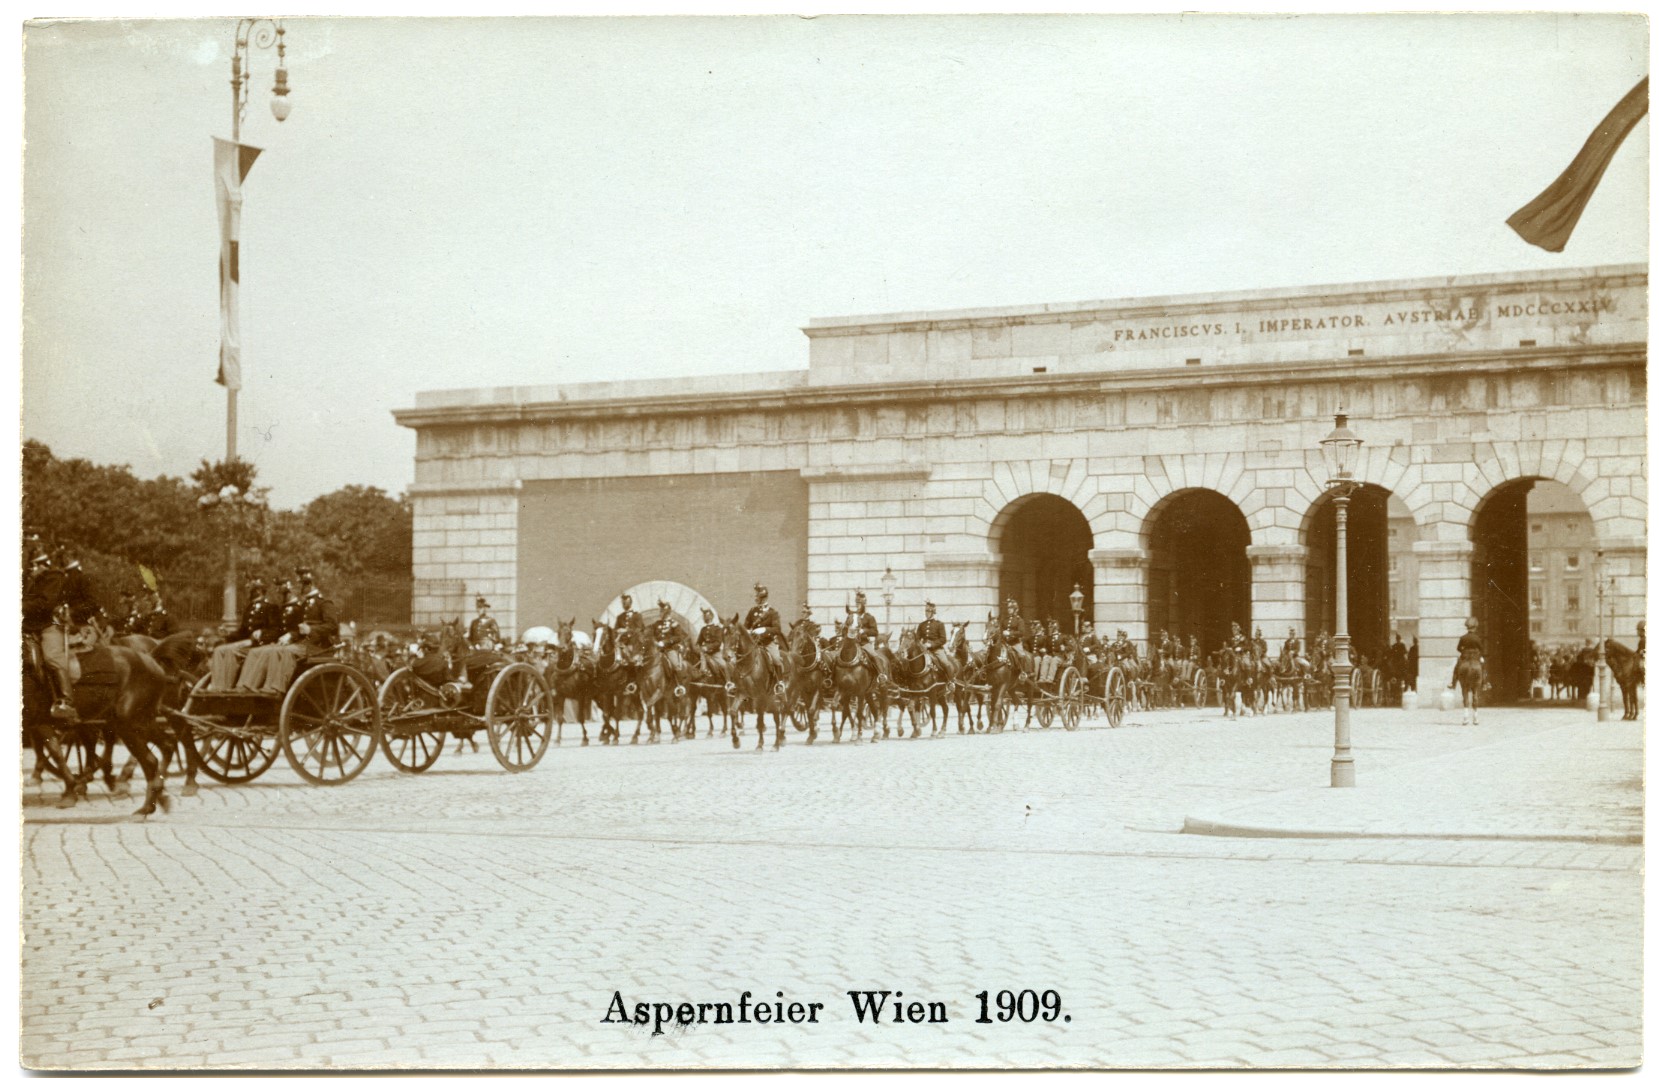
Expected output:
{"points": [[1342, 772]]}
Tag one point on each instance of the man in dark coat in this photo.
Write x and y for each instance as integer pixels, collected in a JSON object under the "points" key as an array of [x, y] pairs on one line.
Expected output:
{"points": [[930, 634], [226, 659], [630, 625], [763, 622], [1470, 644], [484, 631], [711, 637]]}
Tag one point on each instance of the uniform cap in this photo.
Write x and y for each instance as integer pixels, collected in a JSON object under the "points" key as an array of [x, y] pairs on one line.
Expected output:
{"points": [[481, 602]]}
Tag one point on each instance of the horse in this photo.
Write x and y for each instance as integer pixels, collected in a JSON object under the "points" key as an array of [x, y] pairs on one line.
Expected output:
{"points": [[610, 678], [570, 673], [1001, 671], [708, 680], [652, 689], [1629, 671], [122, 689], [962, 690], [857, 689], [926, 684], [760, 683], [807, 682], [1468, 676]]}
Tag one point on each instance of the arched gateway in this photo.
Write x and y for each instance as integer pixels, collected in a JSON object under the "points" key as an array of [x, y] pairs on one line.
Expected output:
{"points": [[1161, 454]]}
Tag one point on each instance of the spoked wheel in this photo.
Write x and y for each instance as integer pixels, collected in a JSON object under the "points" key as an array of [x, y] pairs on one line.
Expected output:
{"points": [[519, 713], [404, 740], [238, 750], [1117, 700], [329, 724], [1071, 698]]}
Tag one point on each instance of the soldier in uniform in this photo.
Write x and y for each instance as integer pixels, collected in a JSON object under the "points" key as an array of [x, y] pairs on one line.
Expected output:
{"points": [[861, 626], [158, 623], [1167, 648], [1259, 644], [45, 616], [310, 628], [484, 632], [670, 638], [227, 658], [131, 622], [711, 637], [630, 626], [1124, 647], [1237, 641], [805, 624], [1013, 626], [767, 627], [1291, 650], [1194, 652]]}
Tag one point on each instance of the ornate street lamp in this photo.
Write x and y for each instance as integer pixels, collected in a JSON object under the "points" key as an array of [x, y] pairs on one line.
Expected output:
{"points": [[250, 34], [1341, 450], [888, 583], [1603, 685], [1076, 609]]}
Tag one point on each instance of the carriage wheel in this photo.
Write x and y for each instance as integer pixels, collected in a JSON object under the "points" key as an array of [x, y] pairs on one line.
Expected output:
{"points": [[1356, 689], [329, 724], [520, 717], [1071, 698], [405, 744], [240, 751], [1116, 697], [800, 716]]}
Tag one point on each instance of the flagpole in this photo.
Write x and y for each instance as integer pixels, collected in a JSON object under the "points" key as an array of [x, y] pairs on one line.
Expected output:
{"points": [[260, 33]]}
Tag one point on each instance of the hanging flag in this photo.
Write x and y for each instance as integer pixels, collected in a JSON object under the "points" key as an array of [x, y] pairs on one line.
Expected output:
{"points": [[231, 162], [148, 577], [1547, 221]]}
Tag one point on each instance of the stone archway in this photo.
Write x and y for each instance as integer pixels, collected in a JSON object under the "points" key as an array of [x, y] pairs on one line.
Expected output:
{"points": [[1198, 571], [1043, 548], [686, 603]]}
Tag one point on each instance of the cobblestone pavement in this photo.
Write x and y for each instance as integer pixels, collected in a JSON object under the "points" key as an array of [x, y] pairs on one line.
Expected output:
{"points": [[470, 918]]}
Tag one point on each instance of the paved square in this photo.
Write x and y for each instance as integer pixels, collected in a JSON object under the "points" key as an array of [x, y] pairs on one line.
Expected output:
{"points": [[470, 918]]}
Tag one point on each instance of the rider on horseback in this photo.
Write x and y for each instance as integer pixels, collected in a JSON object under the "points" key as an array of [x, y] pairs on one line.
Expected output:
{"points": [[764, 623], [56, 602], [805, 624], [862, 625], [630, 626], [711, 637], [930, 634], [670, 638], [1469, 644]]}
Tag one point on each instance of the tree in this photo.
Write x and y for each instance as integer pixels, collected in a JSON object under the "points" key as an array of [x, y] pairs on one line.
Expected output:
{"points": [[364, 531]]}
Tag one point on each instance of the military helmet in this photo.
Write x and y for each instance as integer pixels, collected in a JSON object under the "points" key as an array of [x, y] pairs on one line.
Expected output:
{"points": [[481, 603], [929, 607], [760, 591]]}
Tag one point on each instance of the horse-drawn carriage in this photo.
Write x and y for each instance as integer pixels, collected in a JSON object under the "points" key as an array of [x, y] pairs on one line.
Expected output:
{"points": [[423, 704], [326, 724]]}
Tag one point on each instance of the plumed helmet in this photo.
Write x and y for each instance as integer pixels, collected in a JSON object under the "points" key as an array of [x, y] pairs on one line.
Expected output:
{"points": [[708, 615], [806, 608], [858, 596], [304, 573], [481, 603], [760, 591], [929, 607], [627, 600], [662, 604]]}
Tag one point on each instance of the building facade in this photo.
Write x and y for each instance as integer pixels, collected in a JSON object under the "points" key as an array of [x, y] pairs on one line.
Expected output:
{"points": [[1159, 456]]}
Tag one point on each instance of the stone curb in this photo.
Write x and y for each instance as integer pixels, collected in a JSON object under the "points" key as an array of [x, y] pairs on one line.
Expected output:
{"points": [[1216, 828]]}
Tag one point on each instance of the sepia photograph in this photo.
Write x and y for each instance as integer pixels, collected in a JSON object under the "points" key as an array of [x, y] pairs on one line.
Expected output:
{"points": [[843, 542]]}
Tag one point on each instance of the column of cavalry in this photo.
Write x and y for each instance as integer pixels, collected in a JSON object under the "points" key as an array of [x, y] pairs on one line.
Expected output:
{"points": [[656, 674]]}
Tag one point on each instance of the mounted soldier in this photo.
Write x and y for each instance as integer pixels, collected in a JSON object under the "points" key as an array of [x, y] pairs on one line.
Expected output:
{"points": [[711, 637], [862, 625], [767, 627], [930, 633], [1258, 645], [1123, 648], [47, 622], [1470, 645], [805, 624], [630, 626], [1014, 632], [670, 638], [131, 622], [483, 632], [1237, 641]]}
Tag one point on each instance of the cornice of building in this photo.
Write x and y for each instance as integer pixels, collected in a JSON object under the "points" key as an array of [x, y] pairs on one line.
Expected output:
{"points": [[808, 397]]}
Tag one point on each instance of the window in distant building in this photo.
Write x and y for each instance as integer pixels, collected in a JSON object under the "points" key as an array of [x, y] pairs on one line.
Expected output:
{"points": [[1536, 563], [1572, 626], [1536, 528], [1572, 563], [1572, 598], [1538, 597], [1537, 627], [1572, 526]]}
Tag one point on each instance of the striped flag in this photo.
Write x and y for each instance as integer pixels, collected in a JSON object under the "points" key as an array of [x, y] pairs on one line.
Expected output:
{"points": [[1548, 220], [231, 162]]}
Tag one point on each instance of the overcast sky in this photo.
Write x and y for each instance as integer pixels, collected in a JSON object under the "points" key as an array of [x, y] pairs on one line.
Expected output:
{"points": [[501, 202]]}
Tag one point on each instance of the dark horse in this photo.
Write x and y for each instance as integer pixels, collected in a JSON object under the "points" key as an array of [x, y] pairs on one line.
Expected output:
{"points": [[122, 690], [761, 684], [857, 685], [1629, 670]]}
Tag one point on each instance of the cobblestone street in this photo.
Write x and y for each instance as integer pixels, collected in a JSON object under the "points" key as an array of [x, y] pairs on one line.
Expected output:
{"points": [[471, 918]]}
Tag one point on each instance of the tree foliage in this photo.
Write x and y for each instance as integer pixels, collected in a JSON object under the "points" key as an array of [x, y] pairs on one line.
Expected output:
{"points": [[180, 529]]}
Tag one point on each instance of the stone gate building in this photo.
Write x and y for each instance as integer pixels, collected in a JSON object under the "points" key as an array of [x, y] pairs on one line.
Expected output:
{"points": [[1162, 454]]}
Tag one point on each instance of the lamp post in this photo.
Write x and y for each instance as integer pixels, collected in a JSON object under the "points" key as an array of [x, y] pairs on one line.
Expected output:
{"points": [[250, 34], [1603, 585], [888, 583], [1341, 448], [1076, 609]]}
